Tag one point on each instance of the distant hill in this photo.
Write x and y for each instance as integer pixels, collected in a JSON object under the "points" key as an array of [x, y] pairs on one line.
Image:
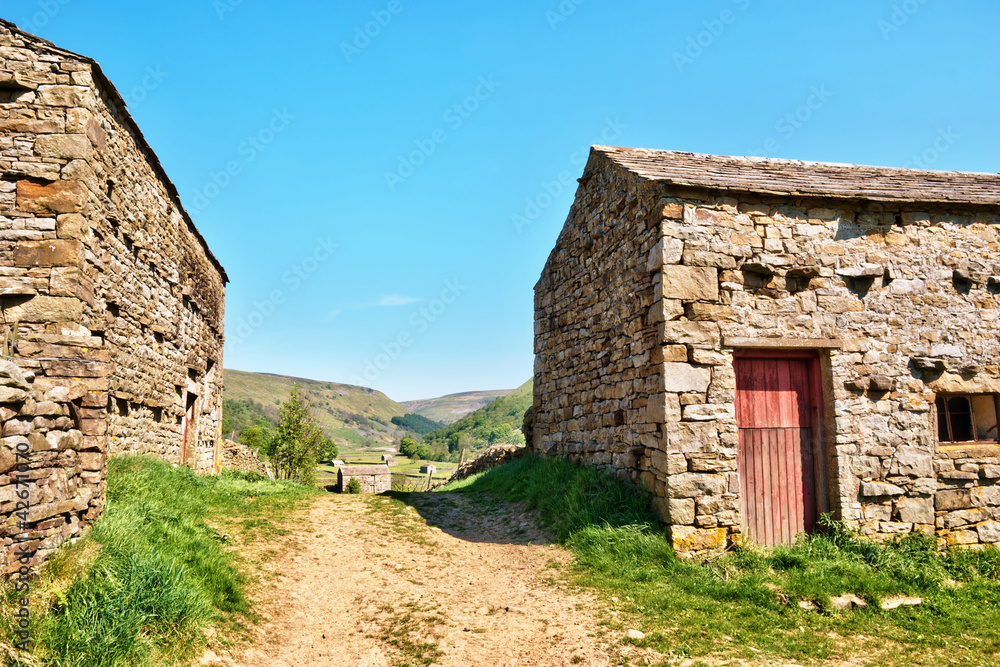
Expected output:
{"points": [[351, 415], [449, 409], [498, 421]]}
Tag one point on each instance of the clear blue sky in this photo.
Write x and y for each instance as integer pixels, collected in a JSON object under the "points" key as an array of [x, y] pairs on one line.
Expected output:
{"points": [[312, 119]]}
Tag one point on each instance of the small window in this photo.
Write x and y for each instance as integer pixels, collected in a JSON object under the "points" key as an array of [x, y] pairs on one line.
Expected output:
{"points": [[968, 418]]}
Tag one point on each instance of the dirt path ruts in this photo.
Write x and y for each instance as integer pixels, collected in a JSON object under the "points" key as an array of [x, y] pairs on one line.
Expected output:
{"points": [[370, 584]]}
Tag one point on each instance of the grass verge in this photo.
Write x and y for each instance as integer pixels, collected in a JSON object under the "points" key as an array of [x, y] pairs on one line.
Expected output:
{"points": [[156, 571], [744, 605]]}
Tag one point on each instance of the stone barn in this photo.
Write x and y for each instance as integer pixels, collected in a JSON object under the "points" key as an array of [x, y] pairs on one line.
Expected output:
{"points": [[112, 304], [757, 342], [373, 478]]}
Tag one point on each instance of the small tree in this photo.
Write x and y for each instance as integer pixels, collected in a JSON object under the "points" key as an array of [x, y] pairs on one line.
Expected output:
{"points": [[298, 442], [257, 437], [407, 446], [354, 486], [328, 450]]}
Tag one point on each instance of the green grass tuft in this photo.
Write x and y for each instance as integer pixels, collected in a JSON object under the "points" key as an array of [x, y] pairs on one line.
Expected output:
{"points": [[154, 572], [743, 605]]}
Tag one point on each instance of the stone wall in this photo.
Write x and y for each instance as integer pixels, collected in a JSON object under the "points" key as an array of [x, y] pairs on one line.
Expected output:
{"points": [[111, 300], [597, 391], [900, 302]]}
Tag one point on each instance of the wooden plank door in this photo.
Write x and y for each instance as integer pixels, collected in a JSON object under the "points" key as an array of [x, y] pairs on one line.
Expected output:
{"points": [[777, 412]]}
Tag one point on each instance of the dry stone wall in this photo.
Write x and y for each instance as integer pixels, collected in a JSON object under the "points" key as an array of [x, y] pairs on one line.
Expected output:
{"points": [[110, 299], [598, 395], [641, 307]]}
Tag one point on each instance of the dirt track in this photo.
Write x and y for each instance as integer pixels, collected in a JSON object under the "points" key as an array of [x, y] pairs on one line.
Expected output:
{"points": [[365, 581]]}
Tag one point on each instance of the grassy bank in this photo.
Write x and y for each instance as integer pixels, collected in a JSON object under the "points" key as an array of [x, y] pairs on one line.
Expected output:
{"points": [[745, 604], [156, 571]]}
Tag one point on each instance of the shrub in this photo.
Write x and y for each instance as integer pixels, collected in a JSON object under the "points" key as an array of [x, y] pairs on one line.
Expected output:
{"points": [[354, 486]]}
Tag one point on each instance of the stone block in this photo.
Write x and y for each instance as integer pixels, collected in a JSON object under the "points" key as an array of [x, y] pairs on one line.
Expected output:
{"points": [[680, 511], [915, 510], [50, 198], [63, 96], [12, 395], [989, 532], [955, 499], [691, 540], [676, 464], [72, 226], [46, 309], [695, 485], [879, 489], [913, 462], [8, 458], [65, 146], [692, 437], [690, 283], [711, 312], [668, 353], [985, 496], [53, 252], [961, 538], [71, 281], [690, 333], [683, 378], [961, 518], [709, 412], [668, 251]]}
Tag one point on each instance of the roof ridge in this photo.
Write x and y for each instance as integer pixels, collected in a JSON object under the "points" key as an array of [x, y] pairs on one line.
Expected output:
{"points": [[783, 177], [102, 80]]}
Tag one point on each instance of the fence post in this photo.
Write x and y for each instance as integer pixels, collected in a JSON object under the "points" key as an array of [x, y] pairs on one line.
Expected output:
{"points": [[461, 461]]}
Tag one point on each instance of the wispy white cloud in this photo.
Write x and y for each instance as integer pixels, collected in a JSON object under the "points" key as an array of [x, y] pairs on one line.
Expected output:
{"points": [[332, 314], [397, 300]]}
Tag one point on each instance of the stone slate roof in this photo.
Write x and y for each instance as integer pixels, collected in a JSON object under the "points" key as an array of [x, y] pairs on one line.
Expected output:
{"points": [[119, 102], [806, 179]]}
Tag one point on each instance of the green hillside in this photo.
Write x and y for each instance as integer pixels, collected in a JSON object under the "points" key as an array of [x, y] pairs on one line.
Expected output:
{"points": [[498, 421], [355, 417], [449, 409]]}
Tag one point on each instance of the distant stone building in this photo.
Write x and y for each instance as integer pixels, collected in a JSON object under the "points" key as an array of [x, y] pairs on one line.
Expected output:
{"points": [[389, 459], [373, 478], [428, 469], [760, 341], [112, 304]]}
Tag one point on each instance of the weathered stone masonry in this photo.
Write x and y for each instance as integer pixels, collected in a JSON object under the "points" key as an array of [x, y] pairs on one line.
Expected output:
{"points": [[117, 301], [671, 265]]}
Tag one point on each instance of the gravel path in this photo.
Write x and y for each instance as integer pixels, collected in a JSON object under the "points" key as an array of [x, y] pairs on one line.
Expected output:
{"points": [[443, 579]]}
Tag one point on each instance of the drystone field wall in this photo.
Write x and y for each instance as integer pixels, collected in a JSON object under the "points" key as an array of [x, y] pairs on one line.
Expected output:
{"points": [[112, 303], [902, 301]]}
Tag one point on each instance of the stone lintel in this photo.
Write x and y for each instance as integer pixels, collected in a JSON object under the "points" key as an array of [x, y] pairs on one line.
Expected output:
{"points": [[783, 343]]}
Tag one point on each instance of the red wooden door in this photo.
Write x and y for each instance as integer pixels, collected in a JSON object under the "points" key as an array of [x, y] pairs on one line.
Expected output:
{"points": [[776, 404]]}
